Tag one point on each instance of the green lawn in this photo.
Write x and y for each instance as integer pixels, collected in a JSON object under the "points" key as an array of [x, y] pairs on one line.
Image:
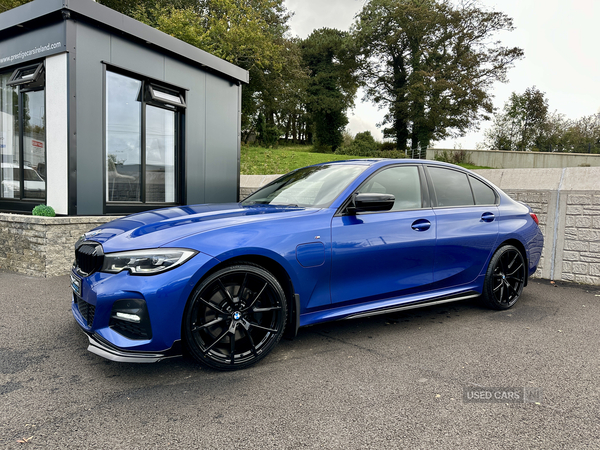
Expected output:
{"points": [[265, 161], [280, 160], [472, 167]]}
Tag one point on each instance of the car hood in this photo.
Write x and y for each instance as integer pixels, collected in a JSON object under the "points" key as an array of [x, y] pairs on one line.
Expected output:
{"points": [[159, 227]]}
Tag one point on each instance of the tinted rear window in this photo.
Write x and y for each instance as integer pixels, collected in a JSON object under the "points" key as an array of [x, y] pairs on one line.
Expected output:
{"points": [[484, 195], [451, 187]]}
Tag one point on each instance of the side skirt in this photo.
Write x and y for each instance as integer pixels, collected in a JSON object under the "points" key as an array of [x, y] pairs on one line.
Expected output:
{"points": [[412, 306], [387, 306]]}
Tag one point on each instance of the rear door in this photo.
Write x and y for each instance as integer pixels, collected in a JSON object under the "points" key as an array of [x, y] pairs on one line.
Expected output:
{"points": [[467, 226]]}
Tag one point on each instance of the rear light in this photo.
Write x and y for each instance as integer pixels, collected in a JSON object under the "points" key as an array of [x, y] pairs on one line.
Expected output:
{"points": [[535, 218]]}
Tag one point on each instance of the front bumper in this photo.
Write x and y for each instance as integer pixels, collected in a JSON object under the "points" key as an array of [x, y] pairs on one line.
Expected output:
{"points": [[157, 333]]}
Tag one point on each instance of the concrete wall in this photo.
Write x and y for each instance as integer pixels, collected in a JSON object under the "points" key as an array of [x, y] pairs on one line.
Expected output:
{"points": [[567, 202], [500, 159]]}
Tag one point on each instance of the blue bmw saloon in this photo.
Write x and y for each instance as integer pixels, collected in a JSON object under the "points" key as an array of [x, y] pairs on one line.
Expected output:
{"points": [[339, 240]]}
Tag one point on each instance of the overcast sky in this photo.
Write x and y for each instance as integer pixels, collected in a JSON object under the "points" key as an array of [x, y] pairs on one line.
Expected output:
{"points": [[560, 39]]}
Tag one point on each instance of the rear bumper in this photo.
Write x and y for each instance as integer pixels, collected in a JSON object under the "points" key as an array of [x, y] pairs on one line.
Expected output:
{"points": [[105, 349]]}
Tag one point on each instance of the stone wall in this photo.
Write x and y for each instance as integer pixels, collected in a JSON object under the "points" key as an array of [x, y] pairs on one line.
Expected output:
{"points": [[41, 246]]}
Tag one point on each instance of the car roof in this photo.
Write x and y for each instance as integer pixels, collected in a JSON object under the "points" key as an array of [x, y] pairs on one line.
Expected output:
{"points": [[390, 161]]}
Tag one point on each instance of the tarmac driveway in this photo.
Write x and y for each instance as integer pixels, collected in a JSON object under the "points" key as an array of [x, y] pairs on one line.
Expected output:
{"points": [[393, 381]]}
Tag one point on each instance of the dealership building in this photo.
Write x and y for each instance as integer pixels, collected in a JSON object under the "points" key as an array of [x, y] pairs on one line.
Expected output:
{"points": [[101, 114]]}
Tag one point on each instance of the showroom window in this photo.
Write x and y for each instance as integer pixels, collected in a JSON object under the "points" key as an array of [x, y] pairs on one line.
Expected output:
{"points": [[23, 137], [143, 122]]}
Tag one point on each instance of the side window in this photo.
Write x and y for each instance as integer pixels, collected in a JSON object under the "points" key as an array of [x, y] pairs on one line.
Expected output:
{"points": [[484, 195], [401, 181], [451, 187]]}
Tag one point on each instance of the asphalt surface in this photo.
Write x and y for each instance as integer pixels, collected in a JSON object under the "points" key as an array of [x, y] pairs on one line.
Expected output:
{"points": [[392, 381]]}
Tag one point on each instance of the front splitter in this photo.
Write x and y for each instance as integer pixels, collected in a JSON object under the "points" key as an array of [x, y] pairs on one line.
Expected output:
{"points": [[105, 349]]}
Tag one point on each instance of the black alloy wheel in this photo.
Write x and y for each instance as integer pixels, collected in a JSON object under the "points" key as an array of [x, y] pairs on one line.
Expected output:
{"points": [[235, 317], [505, 278]]}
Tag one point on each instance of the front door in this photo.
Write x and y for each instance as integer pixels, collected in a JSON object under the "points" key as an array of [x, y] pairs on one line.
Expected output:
{"points": [[380, 255]]}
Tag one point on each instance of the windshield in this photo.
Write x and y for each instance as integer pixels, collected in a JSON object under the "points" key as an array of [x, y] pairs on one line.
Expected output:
{"points": [[315, 186]]}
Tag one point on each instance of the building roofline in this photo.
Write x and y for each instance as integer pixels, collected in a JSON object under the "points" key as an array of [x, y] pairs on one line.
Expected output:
{"points": [[112, 19]]}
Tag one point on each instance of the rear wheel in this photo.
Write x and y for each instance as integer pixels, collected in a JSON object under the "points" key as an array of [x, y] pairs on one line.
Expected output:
{"points": [[235, 317], [505, 278]]}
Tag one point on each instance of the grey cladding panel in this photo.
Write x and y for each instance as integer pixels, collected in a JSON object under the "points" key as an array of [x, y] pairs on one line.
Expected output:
{"points": [[93, 46], [137, 58], [34, 44], [194, 80], [221, 140]]}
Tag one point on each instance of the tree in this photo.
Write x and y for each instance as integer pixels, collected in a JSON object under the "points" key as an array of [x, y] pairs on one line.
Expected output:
{"points": [[5, 5], [522, 124], [525, 124], [581, 135], [332, 84], [250, 34], [431, 64]]}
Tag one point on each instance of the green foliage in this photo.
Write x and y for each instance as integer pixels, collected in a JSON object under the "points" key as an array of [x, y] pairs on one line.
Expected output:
{"points": [[366, 146], [5, 5], [432, 64], [329, 57], [43, 210], [241, 32], [248, 34], [459, 157], [525, 125], [267, 133], [521, 124], [387, 146], [347, 138], [264, 161]]}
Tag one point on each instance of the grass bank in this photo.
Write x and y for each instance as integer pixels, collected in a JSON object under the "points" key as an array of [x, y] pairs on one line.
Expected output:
{"points": [[265, 161]]}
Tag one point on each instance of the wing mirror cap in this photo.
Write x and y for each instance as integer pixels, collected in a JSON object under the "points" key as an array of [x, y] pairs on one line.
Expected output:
{"points": [[371, 202]]}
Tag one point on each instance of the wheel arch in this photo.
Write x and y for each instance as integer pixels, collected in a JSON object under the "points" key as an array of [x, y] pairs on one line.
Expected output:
{"points": [[279, 272], [519, 246]]}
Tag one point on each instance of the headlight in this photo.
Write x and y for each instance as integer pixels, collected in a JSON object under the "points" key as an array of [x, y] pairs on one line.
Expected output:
{"points": [[146, 262]]}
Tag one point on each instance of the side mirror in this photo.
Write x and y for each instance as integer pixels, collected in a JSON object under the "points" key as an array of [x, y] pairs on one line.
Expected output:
{"points": [[367, 202]]}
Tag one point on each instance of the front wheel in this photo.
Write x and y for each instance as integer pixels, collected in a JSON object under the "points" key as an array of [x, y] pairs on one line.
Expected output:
{"points": [[235, 317], [505, 278]]}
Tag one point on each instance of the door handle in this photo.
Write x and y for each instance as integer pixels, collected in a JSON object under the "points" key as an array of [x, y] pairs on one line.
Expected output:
{"points": [[488, 217], [421, 225]]}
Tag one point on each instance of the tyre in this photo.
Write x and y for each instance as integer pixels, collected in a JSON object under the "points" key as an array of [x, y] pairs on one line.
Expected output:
{"points": [[235, 317], [505, 278]]}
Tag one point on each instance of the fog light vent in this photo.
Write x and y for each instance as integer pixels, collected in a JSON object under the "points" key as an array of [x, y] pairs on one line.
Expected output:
{"points": [[130, 318]]}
